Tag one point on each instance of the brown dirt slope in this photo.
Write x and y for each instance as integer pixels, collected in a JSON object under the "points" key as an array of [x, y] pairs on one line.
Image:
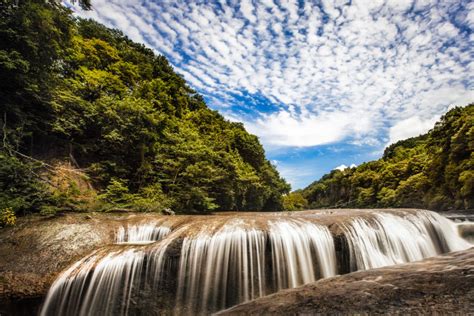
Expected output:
{"points": [[439, 285]]}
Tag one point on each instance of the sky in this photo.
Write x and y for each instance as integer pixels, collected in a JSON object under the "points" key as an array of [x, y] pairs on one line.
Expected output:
{"points": [[323, 84]]}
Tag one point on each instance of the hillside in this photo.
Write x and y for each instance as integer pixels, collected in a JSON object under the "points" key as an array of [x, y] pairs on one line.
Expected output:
{"points": [[434, 170], [73, 90]]}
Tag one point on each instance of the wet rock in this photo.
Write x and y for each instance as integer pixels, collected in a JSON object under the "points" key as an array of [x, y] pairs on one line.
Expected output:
{"points": [[418, 288], [167, 211], [119, 210], [36, 250], [45, 247]]}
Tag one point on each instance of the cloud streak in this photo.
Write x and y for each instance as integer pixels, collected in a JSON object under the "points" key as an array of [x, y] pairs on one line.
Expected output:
{"points": [[327, 72]]}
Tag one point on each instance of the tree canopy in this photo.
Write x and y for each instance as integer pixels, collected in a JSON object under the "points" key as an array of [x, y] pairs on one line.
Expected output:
{"points": [[73, 88], [434, 170]]}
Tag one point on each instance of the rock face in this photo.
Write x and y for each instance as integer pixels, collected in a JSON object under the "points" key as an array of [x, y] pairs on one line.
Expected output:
{"points": [[443, 285], [199, 264], [37, 249]]}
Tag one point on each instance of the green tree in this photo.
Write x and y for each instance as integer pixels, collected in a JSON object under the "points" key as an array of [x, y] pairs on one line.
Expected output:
{"points": [[84, 91], [434, 170], [294, 201]]}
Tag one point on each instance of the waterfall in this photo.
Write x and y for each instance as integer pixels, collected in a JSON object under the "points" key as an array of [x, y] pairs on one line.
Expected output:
{"points": [[197, 265], [230, 266], [298, 249], [96, 285], [136, 234], [387, 239], [221, 269]]}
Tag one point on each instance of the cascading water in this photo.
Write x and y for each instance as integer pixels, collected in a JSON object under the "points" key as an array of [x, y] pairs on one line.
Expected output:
{"points": [[105, 282], [136, 234], [302, 252], [386, 239], [222, 269], [204, 264], [96, 285], [236, 264]]}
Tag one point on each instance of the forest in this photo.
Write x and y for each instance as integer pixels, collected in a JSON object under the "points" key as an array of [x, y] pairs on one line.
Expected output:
{"points": [[102, 142], [434, 171], [135, 136], [74, 90]]}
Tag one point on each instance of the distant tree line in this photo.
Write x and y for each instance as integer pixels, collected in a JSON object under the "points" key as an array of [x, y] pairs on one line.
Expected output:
{"points": [[434, 171]]}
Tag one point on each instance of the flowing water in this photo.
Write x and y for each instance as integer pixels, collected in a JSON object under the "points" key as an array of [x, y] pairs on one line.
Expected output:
{"points": [[386, 239], [192, 265], [141, 234]]}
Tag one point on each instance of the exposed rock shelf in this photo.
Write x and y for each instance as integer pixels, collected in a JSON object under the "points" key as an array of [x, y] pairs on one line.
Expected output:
{"points": [[130, 263], [441, 285]]}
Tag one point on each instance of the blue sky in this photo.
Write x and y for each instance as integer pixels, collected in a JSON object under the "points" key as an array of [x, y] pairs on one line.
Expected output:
{"points": [[322, 83]]}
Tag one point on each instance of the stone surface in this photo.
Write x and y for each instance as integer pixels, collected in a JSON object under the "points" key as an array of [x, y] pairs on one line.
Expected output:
{"points": [[37, 249], [33, 253], [442, 285]]}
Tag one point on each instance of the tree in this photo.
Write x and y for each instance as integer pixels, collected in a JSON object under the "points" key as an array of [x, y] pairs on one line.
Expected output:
{"points": [[74, 88], [294, 201], [433, 170]]}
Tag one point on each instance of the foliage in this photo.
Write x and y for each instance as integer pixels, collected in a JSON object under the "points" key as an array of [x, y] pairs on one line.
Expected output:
{"points": [[435, 171], [74, 88], [48, 210], [20, 187], [149, 198], [7, 217], [294, 201], [116, 192], [33, 37], [27, 187]]}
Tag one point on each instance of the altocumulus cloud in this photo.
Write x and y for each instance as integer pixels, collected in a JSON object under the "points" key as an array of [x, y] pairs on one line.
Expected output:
{"points": [[303, 73]]}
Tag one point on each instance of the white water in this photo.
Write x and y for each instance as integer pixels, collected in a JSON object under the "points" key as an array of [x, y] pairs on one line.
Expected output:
{"points": [[231, 265], [388, 239], [302, 252], [96, 285], [202, 267], [228, 265], [141, 234]]}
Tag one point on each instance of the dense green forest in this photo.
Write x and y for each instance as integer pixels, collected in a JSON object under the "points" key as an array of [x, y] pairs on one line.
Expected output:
{"points": [[434, 171], [140, 138], [72, 89]]}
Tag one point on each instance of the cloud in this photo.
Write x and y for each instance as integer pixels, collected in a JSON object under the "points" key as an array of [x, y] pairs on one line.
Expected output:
{"points": [[341, 167], [344, 167], [342, 71], [297, 176], [284, 128], [410, 127]]}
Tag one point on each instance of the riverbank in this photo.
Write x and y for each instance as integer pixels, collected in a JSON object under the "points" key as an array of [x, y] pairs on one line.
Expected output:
{"points": [[441, 285]]}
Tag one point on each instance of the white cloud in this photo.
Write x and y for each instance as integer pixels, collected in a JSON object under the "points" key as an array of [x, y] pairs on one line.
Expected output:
{"points": [[344, 167], [341, 167], [372, 64], [283, 128], [410, 127]]}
